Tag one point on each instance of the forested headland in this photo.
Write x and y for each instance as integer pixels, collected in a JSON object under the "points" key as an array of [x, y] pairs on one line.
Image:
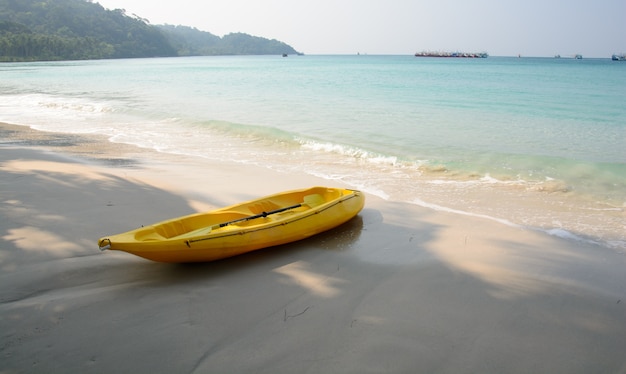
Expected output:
{"points": [[40, 30]]}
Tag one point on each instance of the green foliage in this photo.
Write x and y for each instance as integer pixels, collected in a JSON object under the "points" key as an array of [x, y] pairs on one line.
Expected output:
{"points": [[37, 47], [244, 44], [190, 41], [35, 30], [193, 42]]}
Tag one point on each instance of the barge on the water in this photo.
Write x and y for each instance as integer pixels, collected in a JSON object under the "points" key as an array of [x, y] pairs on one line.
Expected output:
{"points": [[452, 54]]}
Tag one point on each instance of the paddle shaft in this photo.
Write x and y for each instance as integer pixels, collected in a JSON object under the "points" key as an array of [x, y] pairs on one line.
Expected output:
{"points": [[264, 214]]}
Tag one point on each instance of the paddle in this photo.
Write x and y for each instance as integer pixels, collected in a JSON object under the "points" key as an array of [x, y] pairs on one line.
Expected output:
{"points": [[263, 215], [260, 215]]}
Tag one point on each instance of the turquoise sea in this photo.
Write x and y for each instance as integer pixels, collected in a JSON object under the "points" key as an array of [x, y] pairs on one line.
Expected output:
{"points": [[532, 142]]}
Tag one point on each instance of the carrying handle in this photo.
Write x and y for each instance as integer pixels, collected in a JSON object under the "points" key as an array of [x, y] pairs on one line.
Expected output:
{"points": [[104, 247]]}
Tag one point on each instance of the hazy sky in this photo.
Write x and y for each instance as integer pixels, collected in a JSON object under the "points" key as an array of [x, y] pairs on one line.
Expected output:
{"points": [[593, 28]]}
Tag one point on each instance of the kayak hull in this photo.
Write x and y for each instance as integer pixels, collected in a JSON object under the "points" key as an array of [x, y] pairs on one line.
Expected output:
{"points": [[265, 222]]}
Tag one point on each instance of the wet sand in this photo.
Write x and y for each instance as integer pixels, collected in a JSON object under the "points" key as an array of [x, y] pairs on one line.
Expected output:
{"points": [[397, 289]]}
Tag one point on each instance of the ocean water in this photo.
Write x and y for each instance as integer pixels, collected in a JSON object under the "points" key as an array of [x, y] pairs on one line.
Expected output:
{"points": [[533, 142]]}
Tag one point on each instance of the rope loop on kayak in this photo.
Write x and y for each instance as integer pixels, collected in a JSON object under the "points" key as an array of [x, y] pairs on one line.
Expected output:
{"points": [[104, 247]]}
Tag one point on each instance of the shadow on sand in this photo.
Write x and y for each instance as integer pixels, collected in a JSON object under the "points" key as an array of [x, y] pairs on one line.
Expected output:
{"points": [[368, 296]]}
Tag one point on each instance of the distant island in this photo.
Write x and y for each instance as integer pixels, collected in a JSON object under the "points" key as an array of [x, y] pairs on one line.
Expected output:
{"points": [[452, 54], [38, 30]]}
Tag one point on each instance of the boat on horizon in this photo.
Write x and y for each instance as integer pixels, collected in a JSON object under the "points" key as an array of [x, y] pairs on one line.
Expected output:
{"points": [[452, 54]]}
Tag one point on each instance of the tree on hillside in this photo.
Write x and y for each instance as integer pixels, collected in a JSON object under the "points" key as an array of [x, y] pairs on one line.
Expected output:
{"points": [[74, 29], [193, 42], [33, 30]]}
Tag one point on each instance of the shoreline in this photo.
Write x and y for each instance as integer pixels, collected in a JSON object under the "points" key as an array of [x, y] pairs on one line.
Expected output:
{"points": [[401, 288], [551, 206]]}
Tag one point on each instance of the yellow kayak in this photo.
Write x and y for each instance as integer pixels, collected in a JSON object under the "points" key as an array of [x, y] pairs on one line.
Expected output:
{"points": [[268, 221]]}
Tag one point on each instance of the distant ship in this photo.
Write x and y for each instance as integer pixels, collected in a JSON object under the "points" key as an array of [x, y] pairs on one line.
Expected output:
{"points": [[576, 56], [621, 57], [452, 54]]}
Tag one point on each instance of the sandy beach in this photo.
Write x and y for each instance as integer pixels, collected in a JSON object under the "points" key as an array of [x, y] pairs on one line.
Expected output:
{"points": [[399, 289]]}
